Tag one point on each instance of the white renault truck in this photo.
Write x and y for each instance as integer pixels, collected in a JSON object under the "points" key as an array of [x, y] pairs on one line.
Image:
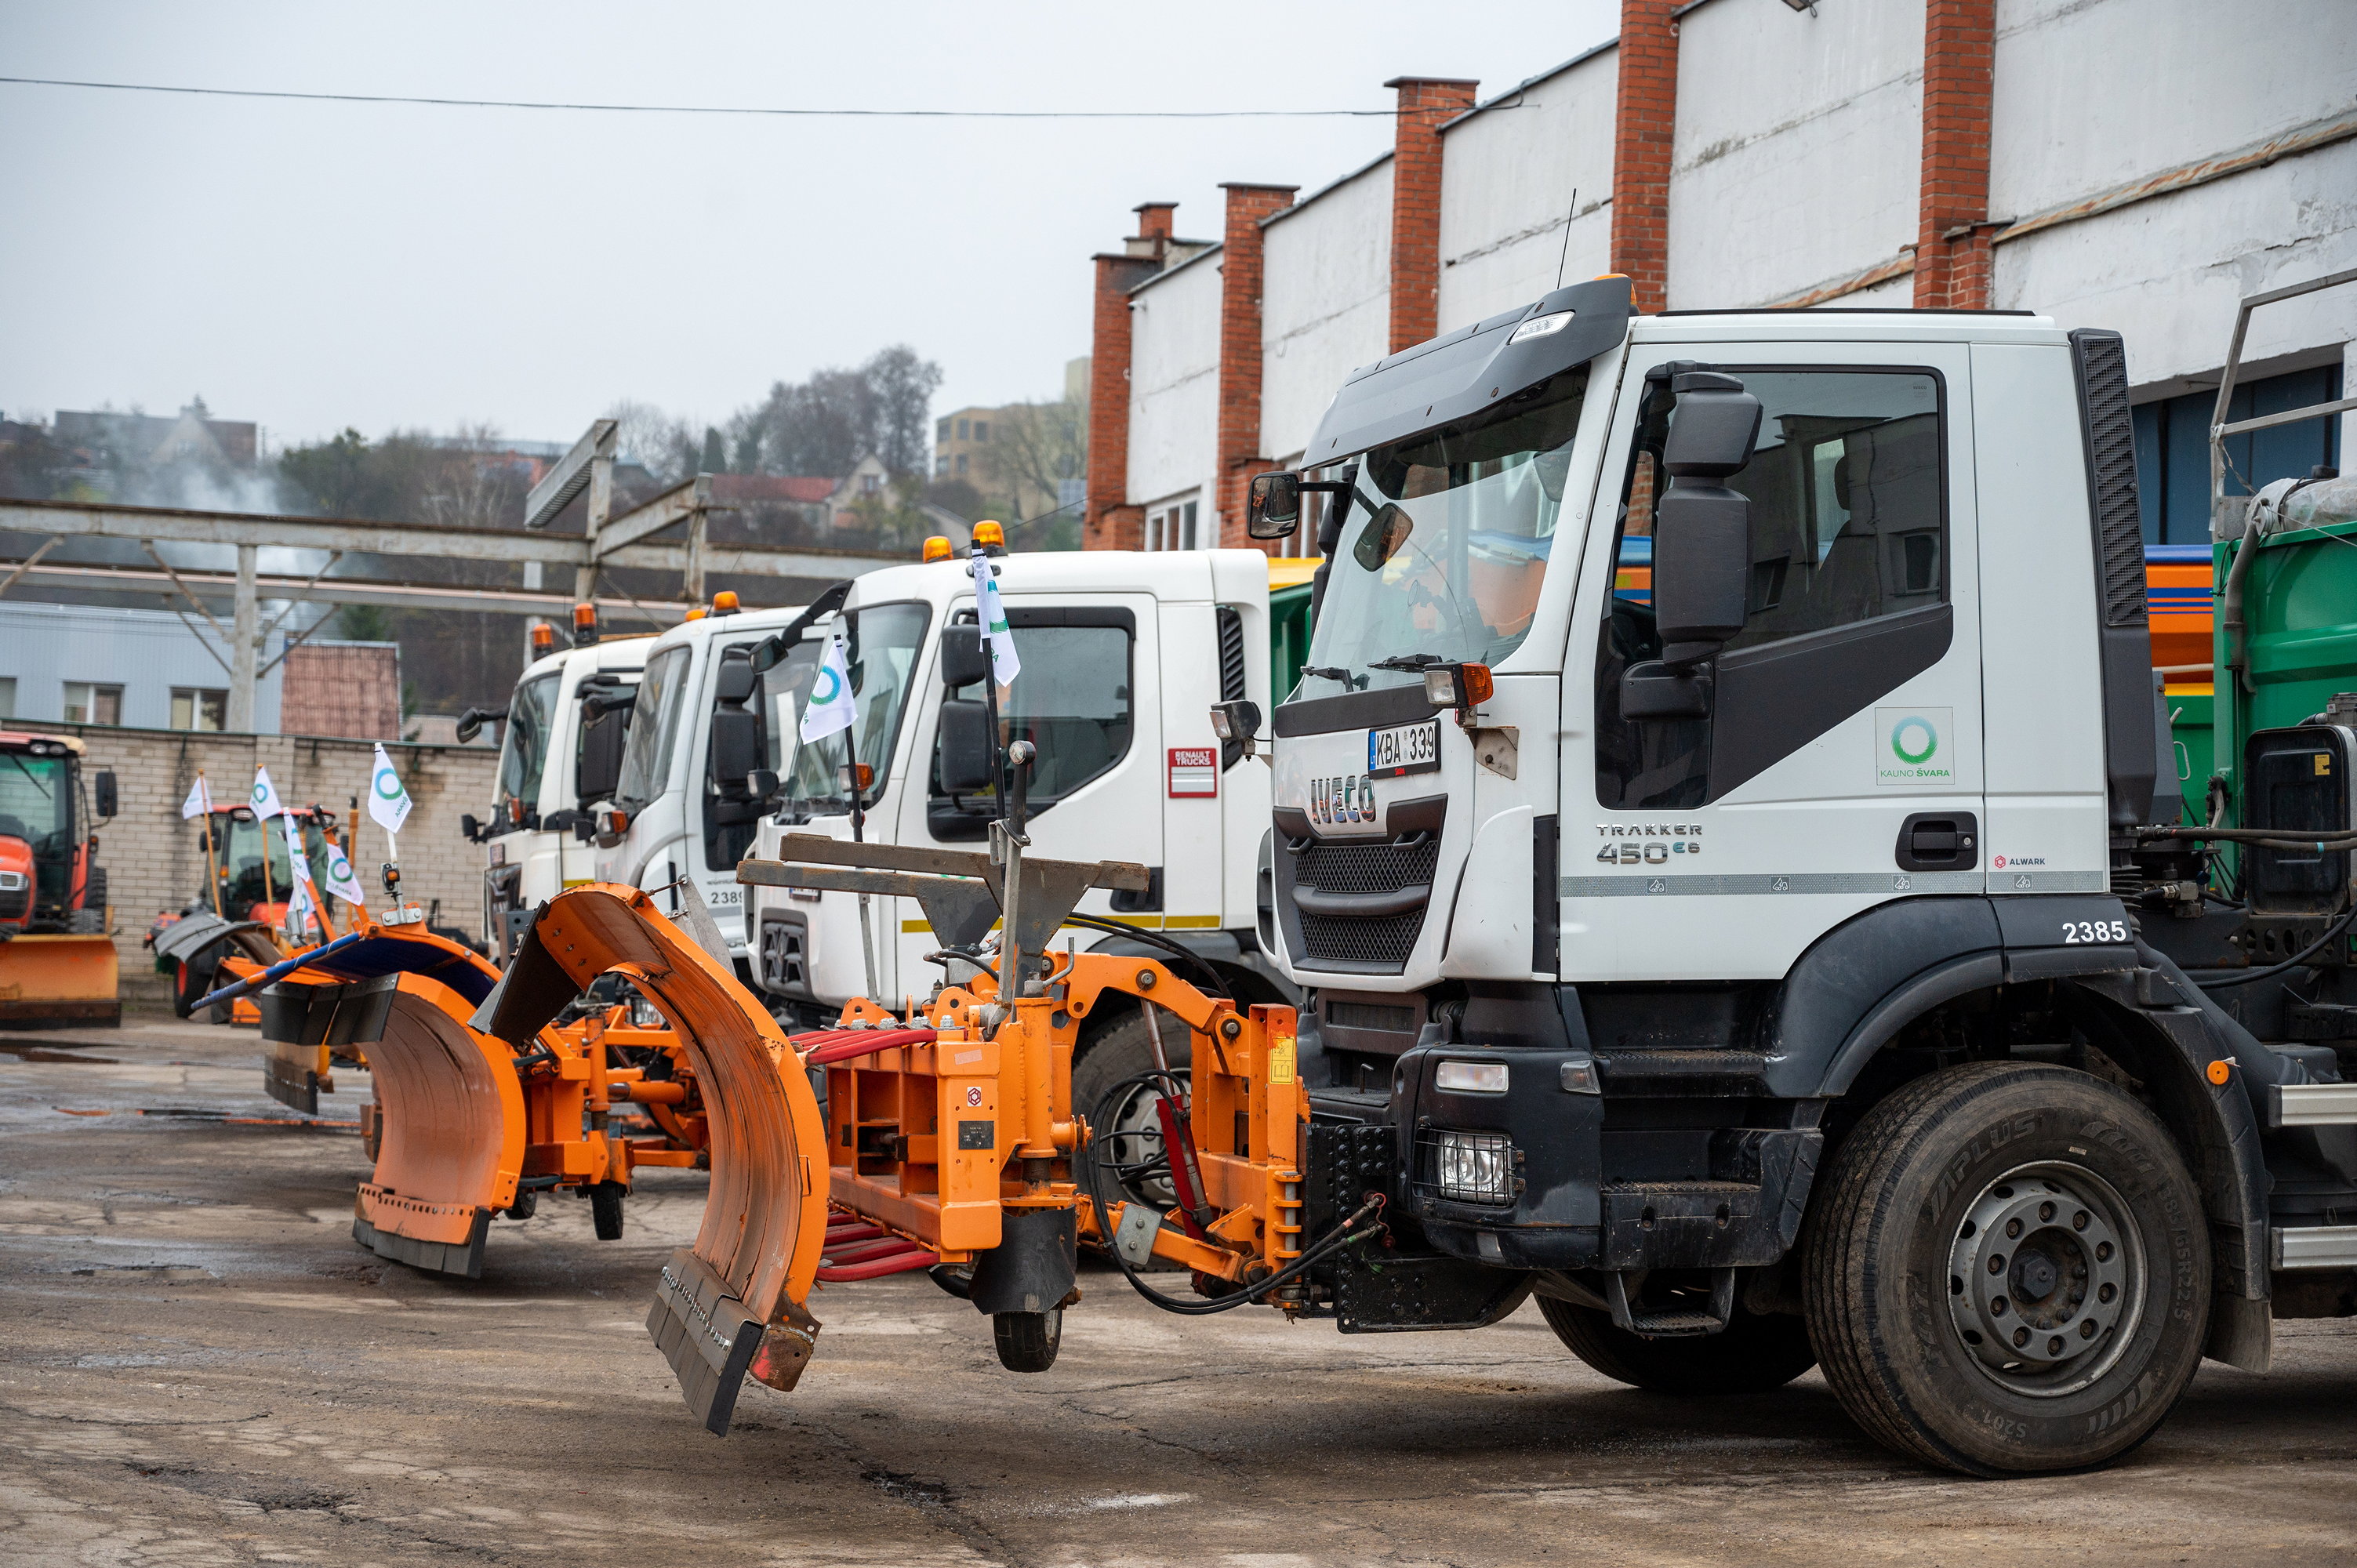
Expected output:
{"points": [[1803, 962], [685, 800], [1122, 655], [571, 707]]}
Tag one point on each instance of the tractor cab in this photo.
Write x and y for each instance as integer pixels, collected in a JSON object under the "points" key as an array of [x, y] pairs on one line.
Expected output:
{"points": [[251, 865]]}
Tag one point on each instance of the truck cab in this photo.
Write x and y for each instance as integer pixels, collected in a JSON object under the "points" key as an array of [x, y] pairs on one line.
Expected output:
{"points": [[565, 727], [1123, 654], [682, 811], [1803, 953]]}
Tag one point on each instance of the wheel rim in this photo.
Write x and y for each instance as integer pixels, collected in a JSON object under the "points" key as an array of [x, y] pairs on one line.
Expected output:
{"points": [[1129, 1150], [2046, 1279]]}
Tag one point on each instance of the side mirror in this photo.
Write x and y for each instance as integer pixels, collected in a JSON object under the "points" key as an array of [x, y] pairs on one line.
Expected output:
{"points": [[597, 769], [105, 799], [1702, 529], [469, 829], [736, 748], [1273, 505], [968, 758], [963, 660], [735, 679]]}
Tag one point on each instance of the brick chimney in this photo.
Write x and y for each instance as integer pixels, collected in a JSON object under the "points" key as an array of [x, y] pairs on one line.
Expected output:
{"points": [[1424, 102], [1952, 240], [1644, 115], [1107, 520], [1242, 268]]}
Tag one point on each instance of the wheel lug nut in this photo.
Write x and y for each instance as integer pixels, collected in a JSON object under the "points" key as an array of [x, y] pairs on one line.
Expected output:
{"points": [[2012, 1229], [2103, 1252], [2079, 1220], [2020, 1338], [1996, 1264], [2054, 1345], [2045, 1213]]}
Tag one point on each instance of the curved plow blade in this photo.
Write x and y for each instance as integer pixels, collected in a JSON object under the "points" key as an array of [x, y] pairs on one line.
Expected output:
{"points": [[731, 1305], [450, 1111]]}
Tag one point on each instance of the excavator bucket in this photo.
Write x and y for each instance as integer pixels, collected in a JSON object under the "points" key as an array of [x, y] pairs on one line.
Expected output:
{"points": [[59, 980], [451, 1145], [732, 1304]]}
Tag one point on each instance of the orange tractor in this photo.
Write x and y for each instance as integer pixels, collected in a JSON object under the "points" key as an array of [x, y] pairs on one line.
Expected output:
{"points": [[57, 961]]}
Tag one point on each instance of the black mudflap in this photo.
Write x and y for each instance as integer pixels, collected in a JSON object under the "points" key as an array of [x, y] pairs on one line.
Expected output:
{"points": [[464, 1259], [1375, 1288], [1035, 1264], [706, 1334]]}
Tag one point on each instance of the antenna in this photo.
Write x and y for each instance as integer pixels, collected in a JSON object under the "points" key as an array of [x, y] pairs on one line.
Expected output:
{"points": [[1563, 260]]}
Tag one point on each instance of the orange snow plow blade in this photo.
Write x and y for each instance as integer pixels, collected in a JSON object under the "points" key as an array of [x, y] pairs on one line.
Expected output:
{"points": [[59, 980], [732, 1304]]}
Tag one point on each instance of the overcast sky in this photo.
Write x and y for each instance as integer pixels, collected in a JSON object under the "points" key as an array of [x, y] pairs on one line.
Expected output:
{"points": [[314, 266]]}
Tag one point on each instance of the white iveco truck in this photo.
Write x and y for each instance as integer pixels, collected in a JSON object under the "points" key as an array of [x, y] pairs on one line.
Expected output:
{"points": [[1791, 958], [1122, 653], [571, 709]]}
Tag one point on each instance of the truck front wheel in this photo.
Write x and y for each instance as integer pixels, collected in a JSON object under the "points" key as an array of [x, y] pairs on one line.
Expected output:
{"points": [[1751, 1355], [2008, 1271]]}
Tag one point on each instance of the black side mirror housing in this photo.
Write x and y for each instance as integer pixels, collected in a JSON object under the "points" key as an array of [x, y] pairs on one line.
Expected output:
{"points": [[469, 829], [1702, 529], [968, 758], [105, 799], [963, 660], [597, 769], [735, 679], [736, 748], [1273, 505]]}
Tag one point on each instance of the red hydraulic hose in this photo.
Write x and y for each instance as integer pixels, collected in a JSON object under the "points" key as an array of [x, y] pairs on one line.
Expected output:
{"points": [[899, 1263]]}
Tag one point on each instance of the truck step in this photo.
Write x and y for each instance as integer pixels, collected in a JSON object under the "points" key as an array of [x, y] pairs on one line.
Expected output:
{"points": [[1672, 1322], [2312, 1105], [1684, 1073], [2313, 1246]]}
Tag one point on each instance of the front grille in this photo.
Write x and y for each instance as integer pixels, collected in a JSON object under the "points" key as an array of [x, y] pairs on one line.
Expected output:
{"points": [[1378, 943], [1371, 1016], [16, 902], [785, 964]]}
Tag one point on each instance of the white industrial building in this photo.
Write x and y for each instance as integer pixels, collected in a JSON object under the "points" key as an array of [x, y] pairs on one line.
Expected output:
{"points": [[2138, 165], [140, 669]]}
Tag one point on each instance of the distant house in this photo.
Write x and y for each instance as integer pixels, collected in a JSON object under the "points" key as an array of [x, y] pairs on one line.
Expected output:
{"points": [[191, 435], [823, 502]]}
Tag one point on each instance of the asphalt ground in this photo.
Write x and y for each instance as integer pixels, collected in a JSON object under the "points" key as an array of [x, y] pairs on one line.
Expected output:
{"points": [[197, 1367]]}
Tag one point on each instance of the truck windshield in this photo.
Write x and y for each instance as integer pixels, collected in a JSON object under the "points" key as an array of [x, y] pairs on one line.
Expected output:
{"points": [[1447, 543], [883, 643], [36, 800], [654, 725], [244, 842], [523, 752], [784, 688]]}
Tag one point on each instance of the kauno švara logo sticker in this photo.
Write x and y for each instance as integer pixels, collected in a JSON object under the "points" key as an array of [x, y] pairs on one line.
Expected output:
{"points": [[1912, 747]]}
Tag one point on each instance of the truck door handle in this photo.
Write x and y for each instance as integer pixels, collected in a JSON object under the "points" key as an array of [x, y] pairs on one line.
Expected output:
{"points": [[1939, 841]]}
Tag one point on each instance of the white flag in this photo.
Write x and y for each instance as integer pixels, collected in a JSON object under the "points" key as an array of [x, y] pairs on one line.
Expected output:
{"points": [[199, 802], [300, 905], [831, 706], [1004, 665], [341, 880], [389, 801], [295, 849], [266, 795]]}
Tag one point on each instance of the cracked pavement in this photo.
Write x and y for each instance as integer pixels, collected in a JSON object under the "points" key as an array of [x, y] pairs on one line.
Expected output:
{"points": [[199, 1367]]}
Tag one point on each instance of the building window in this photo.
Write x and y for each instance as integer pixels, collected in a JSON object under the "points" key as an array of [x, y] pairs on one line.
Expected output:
{"points": [[7, 696], [1172, 527], [869, 484], [89, 704], [196, 708], [2172, 447], [941, 464], [982, 429], [941, 430], [962, 429], [961, 463]]}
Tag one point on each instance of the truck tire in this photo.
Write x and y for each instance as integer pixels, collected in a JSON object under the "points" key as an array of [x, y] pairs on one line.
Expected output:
{"points": [[1754, 1353], [2006, 1271], [1124, 1051], [91, 919]]}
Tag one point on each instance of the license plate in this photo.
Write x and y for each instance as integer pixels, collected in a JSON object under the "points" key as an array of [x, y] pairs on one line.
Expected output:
{"points": [[1403, 748]]}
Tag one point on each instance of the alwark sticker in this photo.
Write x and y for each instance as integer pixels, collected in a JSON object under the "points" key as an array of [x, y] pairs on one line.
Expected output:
{"points": [[1913, 748]]}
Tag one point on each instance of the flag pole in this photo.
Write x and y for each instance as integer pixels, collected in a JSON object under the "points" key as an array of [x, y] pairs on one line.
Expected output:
{"points": [[212, 868], [858, 832]]}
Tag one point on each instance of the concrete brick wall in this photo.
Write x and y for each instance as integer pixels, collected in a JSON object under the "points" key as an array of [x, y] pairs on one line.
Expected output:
{"points": [[156, 862]]}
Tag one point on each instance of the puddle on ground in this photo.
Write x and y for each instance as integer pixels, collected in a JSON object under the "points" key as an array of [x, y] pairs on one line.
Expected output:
{"points": [[144, 1273], [51, 1054]]}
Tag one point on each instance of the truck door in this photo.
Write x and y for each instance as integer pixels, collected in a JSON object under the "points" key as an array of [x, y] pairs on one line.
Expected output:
{"points": [[1840, 763], [1088, 697]]}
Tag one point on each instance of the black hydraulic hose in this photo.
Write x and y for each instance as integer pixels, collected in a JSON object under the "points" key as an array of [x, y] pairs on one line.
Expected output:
{"points": [[1218, 987], [1318, 1252], [2246, 977]]}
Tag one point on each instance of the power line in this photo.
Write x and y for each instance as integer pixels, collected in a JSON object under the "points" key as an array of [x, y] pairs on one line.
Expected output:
{"points": [[713, 109]]}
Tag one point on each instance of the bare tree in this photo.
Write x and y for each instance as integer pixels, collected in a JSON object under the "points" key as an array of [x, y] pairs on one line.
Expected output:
{"points": [[1033, 447]]}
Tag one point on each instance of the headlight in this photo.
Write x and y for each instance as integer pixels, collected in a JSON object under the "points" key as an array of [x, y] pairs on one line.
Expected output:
{"points": [[1539, 327], [1473, 1167], [12, 881], [644, 1015], [1471, 1078]]}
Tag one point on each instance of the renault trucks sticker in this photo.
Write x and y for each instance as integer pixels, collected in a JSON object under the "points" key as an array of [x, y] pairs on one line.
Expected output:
{"points": [[1912, 747]]}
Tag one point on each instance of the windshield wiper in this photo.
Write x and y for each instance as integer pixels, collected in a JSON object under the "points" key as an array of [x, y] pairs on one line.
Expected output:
{"points": [[1336, 673], [1410, 662]]}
